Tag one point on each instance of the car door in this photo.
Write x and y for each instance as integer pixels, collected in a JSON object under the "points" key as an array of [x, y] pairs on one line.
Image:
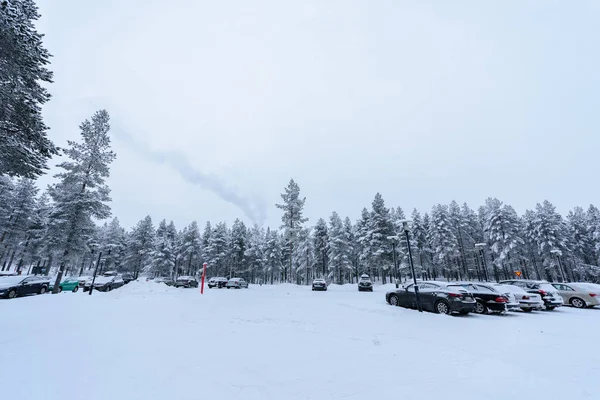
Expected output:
{"points": [[427, 294], [565, 291], [406, 296], [28, 286]]}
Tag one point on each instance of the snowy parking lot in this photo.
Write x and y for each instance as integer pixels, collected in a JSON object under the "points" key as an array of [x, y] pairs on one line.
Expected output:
{"points": [[150, 341]]}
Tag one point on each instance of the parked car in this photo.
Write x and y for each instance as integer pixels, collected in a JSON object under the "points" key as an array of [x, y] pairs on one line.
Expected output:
{"points": [[69, 284], [186, 282], [218, 282], [435, 296], [127, 277], [527, 301], [579, 295], [236, 283], [110, 273], [550, 295], [365, 284], [23, 285], [488, 298], [319, 284], [166, 281], [83, 279], [104, 283]]}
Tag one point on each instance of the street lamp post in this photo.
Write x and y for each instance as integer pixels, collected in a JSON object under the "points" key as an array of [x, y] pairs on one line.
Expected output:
{"points": [[96, 271], [480, 246], [557, 253], [412, 266], [393, 239]]}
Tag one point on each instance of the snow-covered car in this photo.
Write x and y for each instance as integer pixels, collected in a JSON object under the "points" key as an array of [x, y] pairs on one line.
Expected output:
{"points": [[218, 282], [166, 281], [365, 284], [236, 283], [23, 285], [319, 284], [186, 282], [435, 296], [127, 277], [488, 298], [104, 283], [527, 301], [83, 279], [579, 294], [550, 295]]}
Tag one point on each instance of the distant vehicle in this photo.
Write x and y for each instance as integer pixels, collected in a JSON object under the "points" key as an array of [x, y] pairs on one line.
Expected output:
{"points": [[365, 284], [579, 295], [23, 285], [127, 277], [488, 298], [186, 282], [166, 281], [319, 284], [236, 283], [83, 279], [435, 296], [550, 295], [68, 284], [527, 301], [110, 273], [218, 282], [104, 283]]}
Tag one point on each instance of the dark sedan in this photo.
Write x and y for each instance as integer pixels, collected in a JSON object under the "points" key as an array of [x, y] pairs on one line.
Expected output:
{"points": [[488, 298], [23, 285], [435, 296], [319, 284], [186, 282], [104, 283]]}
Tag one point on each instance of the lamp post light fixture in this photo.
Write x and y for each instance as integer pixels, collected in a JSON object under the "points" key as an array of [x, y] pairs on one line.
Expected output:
{"points": [[412, 266], [480, 246], [394, 239], [557, 253]]}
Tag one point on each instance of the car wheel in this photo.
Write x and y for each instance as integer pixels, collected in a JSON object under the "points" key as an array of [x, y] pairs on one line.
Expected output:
{"points": [[527, 309], [577, 302], [43, 290], [394, 300], [59, 289], [12, 294], [480, 308], [550, 308], [75, 289], [441, 307], [109, 288], [371, 290]]}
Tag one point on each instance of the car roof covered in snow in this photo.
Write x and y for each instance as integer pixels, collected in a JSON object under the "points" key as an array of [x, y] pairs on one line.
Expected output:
{"points": [[185, 277]]}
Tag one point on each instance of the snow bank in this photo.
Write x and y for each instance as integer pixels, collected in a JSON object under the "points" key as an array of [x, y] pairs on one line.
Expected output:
{"points": [[137, 288]]}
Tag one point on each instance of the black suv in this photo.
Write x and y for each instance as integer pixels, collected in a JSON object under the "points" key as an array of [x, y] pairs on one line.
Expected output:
{"points": [[186, 282], [365, 284], [319, 284]]}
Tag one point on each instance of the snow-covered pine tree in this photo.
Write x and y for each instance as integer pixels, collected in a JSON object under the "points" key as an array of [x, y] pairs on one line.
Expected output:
{"points": [[273, 256], [15, 233], [443, 240], [140, 246], [113, 241], [593, 224], [255, 254], [339, 249], [24, 146], [456, 220], [238, 248], [164, 254], [503, 233], [292, 219], [82, 193], [378, 244], [191, 249], [304, 256], [321, 247], [206, 256], [361, 234], [349, 232], [218, 251], [422, 252], [549, 234]]}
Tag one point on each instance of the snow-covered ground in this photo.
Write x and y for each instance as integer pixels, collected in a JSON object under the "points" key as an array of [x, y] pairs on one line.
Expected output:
{"points": [[150, 341]]}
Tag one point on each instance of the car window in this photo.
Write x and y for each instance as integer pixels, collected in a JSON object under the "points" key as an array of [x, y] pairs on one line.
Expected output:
{"points": [[567, 288], [411, 287]]}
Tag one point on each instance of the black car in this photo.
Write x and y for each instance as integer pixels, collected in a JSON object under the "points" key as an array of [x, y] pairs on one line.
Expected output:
{"points": [[218, 282], [319, 284], [104, 283], [186, 282], [435, 296], [488, 298], [550, 295], [127, 278], [23, 285], [365, 284]]}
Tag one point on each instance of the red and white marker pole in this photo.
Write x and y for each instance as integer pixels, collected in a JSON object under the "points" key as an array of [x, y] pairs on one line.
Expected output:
{"points": [[203, 275]]}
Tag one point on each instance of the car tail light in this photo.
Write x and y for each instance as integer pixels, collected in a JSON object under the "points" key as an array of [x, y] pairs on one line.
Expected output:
{"points": [[526, 297], [593, 294], [455, 295], [501, 299], [542, 292]]}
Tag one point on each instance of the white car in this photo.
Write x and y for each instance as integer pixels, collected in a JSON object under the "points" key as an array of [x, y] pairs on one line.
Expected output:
{"points": [[550, 295], [236, 283], [527, 301]]}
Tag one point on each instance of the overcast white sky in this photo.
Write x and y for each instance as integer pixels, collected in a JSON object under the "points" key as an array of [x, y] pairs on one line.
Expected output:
{"points": [[423, 101]]}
